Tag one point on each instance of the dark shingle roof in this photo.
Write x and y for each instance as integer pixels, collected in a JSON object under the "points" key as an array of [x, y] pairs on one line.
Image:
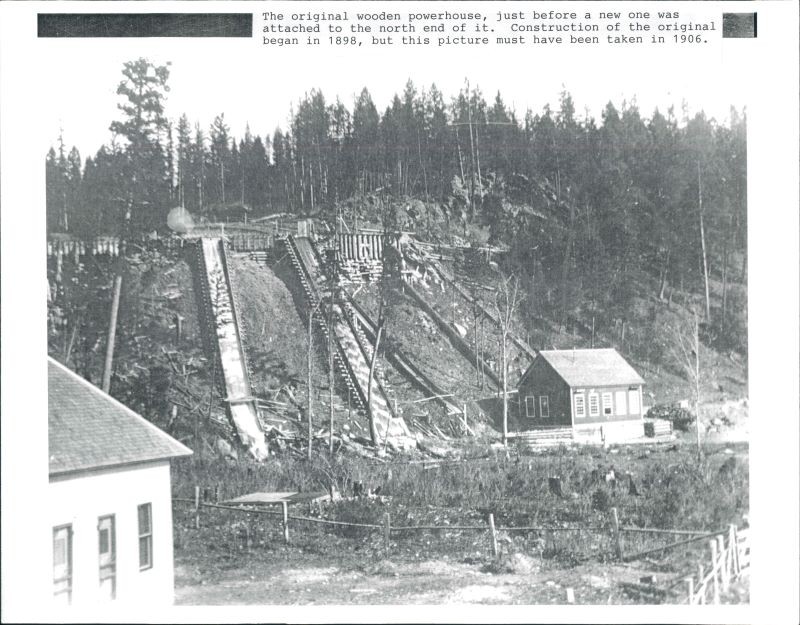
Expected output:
{"points": [[89, 429], [591, 367]]}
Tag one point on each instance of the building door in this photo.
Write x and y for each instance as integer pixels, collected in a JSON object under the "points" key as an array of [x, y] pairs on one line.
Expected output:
{"points": [[633, 401], [62, 564], [107, 557]]}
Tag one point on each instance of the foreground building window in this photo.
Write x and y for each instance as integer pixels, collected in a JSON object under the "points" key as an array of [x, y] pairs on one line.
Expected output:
{"points": [[107, 557], [145, 536], [62, 564]]}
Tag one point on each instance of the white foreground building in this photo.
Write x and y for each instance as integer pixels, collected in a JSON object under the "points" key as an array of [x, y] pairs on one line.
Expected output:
{"points": [[109, 498]]}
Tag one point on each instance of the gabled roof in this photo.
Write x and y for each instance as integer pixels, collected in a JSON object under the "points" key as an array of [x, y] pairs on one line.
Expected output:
{"points": [[591, 367], [91, 430]]}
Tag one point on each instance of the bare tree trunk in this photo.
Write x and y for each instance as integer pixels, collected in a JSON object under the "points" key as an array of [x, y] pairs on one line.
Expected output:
{"points": [[478, 157], [112, 333], [460, 159], [565, 266], [477, 348], [112, 323], [505, 388], [424, 171], [222, 179], [725, 258], [373, 433], [664, 271], [330, 378], [505, 316], [309, 390], [703, 241], [697, 383], [471, 159]]}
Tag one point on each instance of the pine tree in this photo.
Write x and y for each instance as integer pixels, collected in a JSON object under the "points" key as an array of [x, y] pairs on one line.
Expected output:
{"points": [[143, 90]]}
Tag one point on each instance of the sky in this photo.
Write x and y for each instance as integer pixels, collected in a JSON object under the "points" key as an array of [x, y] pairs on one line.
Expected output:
{"points": [[256, 84]]}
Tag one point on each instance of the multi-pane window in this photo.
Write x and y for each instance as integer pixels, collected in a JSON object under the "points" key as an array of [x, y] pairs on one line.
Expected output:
{"points": [[619, 398], [62, 563], [544, 407], [608, 408], [594, 405], [580, 406], [530, 407], [145, 536], [107, 551], [633, 401]]}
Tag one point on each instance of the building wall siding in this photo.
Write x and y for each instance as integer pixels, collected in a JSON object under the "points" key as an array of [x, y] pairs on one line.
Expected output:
{"points": [[81, 500], [543, 380], [613, 417]]}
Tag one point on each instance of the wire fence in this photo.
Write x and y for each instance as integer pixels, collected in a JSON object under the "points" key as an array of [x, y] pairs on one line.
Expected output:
{"points": [[394, 535]]}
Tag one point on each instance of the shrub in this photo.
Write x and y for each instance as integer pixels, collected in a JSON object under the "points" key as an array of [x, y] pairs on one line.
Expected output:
{"points": [[600, 500]]}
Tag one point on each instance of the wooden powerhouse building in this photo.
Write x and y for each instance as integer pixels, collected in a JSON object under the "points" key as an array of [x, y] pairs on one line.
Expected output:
{"points": [[595, 392]]}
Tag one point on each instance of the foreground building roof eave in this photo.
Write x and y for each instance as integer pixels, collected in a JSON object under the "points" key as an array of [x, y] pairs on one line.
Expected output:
{"points": [[89, 430], [100, 468]]}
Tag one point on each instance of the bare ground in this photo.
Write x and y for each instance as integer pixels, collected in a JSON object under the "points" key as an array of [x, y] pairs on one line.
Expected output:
{"points": [[313, 579]]}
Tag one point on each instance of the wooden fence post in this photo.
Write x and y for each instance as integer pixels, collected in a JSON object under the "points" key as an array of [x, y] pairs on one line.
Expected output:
{"points": [[615, 532], [285, 507], [714, 567], [734, 541], [701, 587], [723, 558], [494, 534], [690, 583], [387, 528], [197, 507]]}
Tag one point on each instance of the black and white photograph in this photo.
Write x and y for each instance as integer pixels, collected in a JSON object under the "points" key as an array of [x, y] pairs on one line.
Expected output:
{"points": [[385, 317]]}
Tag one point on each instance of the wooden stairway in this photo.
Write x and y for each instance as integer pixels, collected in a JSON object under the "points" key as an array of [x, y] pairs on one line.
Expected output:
{"points": [[352, 356]]}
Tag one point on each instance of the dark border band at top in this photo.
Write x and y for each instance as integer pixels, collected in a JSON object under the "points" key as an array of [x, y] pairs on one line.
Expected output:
{"points": [[145, 25]]}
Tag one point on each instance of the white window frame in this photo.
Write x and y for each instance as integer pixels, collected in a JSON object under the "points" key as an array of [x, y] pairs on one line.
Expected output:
{"points": [[62, 573], [621, 401], [107, 560], [596, 404], [607, 402], [544, 408], [145, 535], [633, 394], [531, 414], [580, 414]]}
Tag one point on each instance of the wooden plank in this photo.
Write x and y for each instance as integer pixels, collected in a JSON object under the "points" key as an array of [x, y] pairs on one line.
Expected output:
{"points": [[197, 507], [652, 530], [493, 534], [285, 512], [723, 562], [714, 569], [669, 546]]}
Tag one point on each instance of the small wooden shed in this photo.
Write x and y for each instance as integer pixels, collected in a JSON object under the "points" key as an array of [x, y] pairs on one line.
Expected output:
{"points": [[593, 391]]}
